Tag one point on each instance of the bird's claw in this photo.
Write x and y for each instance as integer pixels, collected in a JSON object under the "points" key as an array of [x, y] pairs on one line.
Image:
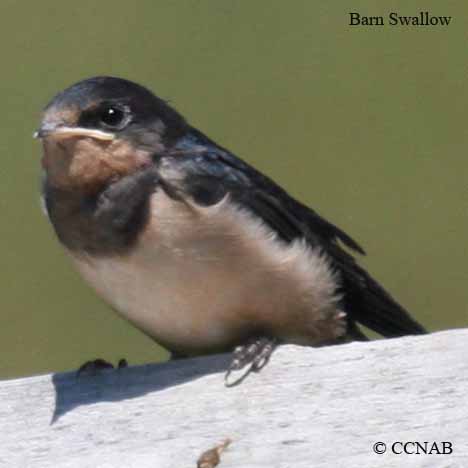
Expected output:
{"points": [[96, 366], [255, 353]]}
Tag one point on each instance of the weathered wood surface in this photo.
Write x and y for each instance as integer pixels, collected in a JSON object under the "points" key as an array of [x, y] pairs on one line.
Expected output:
{"points": [[309, 408]]}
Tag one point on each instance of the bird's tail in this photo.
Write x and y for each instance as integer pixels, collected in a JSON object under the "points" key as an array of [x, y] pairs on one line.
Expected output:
{"points": [[368, 303]]}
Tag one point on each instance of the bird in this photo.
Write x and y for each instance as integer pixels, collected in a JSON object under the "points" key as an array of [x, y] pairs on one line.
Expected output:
{"points": [[191, 244]]}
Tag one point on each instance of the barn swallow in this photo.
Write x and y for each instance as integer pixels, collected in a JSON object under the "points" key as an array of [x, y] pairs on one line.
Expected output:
{"points": [[191, 244]]}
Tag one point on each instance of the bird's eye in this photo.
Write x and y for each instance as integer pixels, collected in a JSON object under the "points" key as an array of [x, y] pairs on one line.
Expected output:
{"points": [[112, 116]]}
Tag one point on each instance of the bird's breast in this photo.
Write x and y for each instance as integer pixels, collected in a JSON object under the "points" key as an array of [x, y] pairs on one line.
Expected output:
{"points": [[203, 278]]}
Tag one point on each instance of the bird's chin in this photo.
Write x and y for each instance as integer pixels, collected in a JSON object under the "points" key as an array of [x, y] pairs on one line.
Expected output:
{"points": [[87, 164]]}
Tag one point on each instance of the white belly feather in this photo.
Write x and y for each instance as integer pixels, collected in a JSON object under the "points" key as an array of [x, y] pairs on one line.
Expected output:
{"points": [[200, 278]]}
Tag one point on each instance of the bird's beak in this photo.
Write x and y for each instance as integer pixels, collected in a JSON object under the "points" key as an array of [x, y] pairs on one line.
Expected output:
{"points": [[60, 131]]}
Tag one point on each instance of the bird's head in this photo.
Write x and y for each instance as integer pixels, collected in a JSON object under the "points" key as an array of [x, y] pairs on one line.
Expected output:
{"points": [[102, 129]]}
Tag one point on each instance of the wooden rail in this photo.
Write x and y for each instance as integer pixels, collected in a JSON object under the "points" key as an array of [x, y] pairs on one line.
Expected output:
{"points": [[309, 408]]}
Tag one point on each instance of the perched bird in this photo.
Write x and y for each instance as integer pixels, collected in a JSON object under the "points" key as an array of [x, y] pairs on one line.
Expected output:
{"points": [[191, 244]]}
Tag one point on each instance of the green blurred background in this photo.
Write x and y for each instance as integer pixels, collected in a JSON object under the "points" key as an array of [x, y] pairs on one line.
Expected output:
{"points": [[367, 125]]}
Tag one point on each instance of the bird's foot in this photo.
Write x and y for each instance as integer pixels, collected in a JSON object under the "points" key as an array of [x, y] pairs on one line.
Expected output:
{"points": [[255, 354], [94, 367]]}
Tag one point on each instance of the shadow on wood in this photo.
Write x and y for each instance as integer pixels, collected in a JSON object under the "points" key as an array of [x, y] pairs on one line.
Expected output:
{"points": [[114, 385]]}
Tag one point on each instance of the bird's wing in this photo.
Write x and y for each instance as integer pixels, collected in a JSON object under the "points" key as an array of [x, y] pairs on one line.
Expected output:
{"points": [[211, 172]]}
